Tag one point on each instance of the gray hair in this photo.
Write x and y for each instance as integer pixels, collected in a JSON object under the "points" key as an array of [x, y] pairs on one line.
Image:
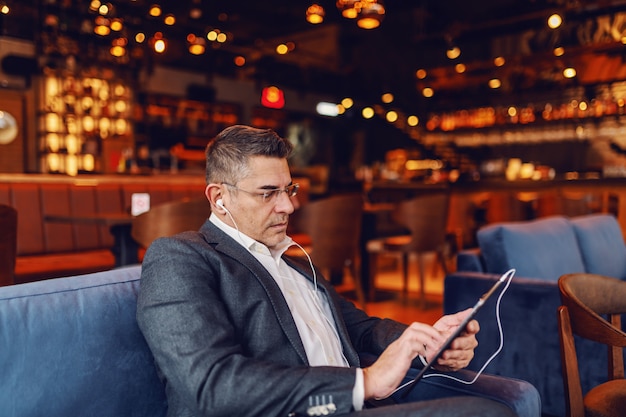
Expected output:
{"points": [[228, 153]]}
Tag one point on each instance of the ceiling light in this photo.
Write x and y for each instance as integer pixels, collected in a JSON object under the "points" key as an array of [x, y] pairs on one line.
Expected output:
{"points": [[371, 14], [348, 8], [159, 46], [94, 5], [324, 108], [391, 116], [569, 72], [169, 20], [315, 14], [367, 113], [428, 92], [387, 98], [155, 10], [197, 44], [558, 51], [453, 52], [420, 73], [347, 102], [460, 68], [158, 43], [117, 24], [499, 61], [282, 49], [495, 83], [554, 21], [117, 50], [412, 120]]}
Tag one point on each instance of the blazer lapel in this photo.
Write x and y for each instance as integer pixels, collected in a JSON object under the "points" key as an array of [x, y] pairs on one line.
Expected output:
{"points": [[234, 250]]}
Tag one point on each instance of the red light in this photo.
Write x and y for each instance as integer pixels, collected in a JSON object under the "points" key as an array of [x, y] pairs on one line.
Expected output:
{"points": [[273, 98]]}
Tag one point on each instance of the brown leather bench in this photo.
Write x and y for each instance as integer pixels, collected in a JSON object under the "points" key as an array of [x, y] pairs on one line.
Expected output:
{"points": [[50, 249]]}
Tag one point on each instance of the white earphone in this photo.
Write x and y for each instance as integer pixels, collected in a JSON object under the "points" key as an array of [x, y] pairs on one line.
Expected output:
{"points": [[220, 204]]}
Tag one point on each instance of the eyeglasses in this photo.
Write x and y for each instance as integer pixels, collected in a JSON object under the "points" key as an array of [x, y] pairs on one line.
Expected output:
{"points": [[270, 195]]}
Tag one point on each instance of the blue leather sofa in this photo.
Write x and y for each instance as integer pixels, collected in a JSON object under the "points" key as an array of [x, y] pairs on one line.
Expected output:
{"points": [[541, 251], [71, 347]]}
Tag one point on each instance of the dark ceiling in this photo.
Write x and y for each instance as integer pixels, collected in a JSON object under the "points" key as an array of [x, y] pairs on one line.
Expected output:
{"points": [[339, 58]]}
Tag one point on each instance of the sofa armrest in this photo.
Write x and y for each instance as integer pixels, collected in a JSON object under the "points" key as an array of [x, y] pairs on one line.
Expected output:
{"points": [[470, 260], [531, 349]]}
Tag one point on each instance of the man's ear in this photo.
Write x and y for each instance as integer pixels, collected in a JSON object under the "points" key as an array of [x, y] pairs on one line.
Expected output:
{"points": [[213, 192]]}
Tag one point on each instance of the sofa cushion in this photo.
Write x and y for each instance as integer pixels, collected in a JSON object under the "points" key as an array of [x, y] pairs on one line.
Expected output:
{"points": [[601, 244], [540, 249], [72, 347]]}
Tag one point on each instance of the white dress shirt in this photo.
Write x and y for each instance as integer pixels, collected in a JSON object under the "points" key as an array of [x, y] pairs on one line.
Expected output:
{"points": [[309, 306]]}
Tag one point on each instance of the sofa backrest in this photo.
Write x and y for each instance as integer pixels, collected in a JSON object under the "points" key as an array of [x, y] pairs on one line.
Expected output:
{"points": [[72, 347], [601, 244], [549, 247], [543, 249]]}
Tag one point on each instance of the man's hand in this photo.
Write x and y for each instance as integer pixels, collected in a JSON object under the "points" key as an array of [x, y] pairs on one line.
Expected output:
{"points": [[384, 375], [461, 351]]}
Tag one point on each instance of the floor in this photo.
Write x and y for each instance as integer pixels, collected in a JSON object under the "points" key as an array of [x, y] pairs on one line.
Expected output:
{"points": [[389, 301]]}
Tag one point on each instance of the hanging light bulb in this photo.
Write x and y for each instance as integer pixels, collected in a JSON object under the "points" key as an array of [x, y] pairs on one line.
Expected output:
{"points": [[155, 10], [349, 8], [554, 21], [371, 14], [118, 47], [197, 44], [315, 14], [159, 43]]}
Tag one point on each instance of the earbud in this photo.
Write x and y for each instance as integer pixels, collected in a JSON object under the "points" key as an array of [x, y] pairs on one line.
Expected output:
{"points": [[220, 204]]}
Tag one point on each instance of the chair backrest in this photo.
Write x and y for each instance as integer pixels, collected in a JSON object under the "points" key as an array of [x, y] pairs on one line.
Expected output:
{"points": [[169, 218], [334, 226], [586, 298], [8, 244], [426, 216]]}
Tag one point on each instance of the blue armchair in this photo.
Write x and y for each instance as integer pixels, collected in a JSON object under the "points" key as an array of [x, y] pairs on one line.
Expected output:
{"points": [[541, 251], [72, 347]]}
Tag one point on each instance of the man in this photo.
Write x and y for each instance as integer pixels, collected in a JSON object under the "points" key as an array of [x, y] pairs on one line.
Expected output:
{"points": [[238, 329]]}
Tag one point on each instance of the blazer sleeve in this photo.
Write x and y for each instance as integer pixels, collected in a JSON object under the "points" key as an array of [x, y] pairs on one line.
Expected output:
{"points": [[185, 311]]}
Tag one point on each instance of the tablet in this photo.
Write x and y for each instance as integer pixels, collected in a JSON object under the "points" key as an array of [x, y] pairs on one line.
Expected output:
{"points": [[481, 301]]}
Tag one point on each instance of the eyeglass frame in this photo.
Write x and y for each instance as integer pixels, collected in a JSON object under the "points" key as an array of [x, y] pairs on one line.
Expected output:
{"points": [[270, 194]]}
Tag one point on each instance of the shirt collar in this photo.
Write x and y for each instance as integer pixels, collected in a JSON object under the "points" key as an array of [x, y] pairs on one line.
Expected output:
{"points": [[250, 244]]}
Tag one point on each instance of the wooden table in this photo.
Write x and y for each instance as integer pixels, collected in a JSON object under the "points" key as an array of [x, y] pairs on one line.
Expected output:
{"points": [[120, 225]]}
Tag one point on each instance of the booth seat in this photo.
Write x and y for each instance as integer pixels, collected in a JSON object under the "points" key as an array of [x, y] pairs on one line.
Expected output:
{"points": [[540, 251], [72, 347], [50, 249]]}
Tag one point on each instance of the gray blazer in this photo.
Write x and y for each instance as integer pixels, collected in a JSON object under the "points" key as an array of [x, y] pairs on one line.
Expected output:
{"points": [[223, 337]]}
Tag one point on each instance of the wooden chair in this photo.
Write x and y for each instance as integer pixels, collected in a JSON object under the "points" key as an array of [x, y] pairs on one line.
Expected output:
{"points": [[334, 227], [426, 218], [8, 244], [586, 298], [169, 218]]}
